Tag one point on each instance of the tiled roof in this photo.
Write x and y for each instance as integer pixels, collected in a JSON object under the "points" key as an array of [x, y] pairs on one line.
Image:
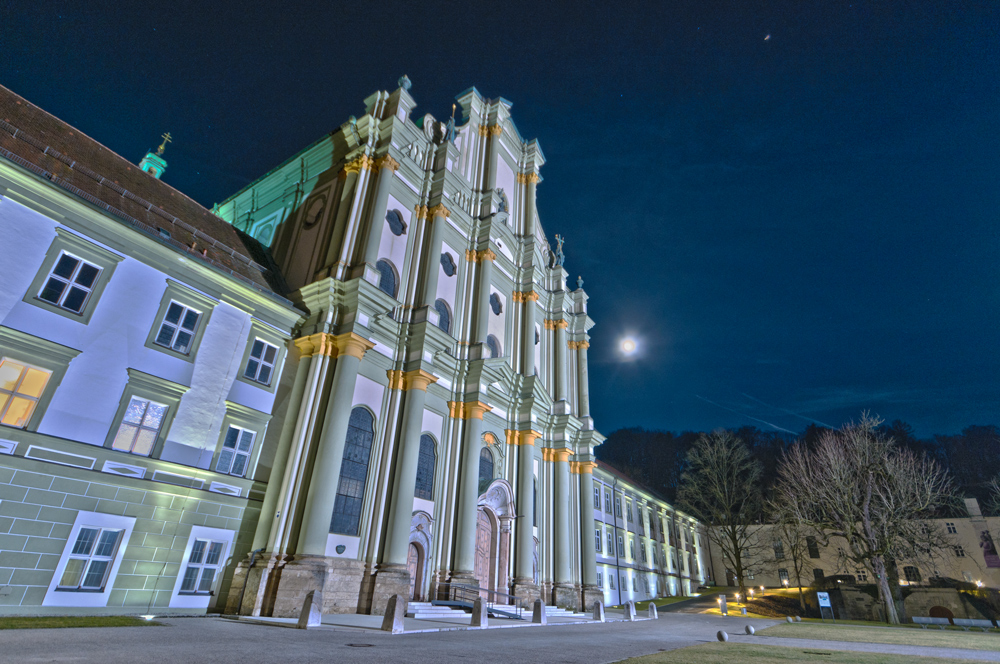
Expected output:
{"points": [[56, 151]]}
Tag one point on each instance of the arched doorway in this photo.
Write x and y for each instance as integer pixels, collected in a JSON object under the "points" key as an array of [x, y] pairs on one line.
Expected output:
{"points": [[414, 566], [493, 538], [485, 559]]}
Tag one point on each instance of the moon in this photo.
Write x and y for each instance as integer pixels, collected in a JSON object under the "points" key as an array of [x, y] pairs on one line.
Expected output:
{"points": [[629, 346]]}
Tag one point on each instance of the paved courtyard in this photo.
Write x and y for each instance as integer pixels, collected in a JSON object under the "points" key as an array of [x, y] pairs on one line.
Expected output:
{"points": [[222, 640]]}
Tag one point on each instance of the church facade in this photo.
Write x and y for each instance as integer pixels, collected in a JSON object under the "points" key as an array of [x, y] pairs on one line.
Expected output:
{"points": [[439, 437]]}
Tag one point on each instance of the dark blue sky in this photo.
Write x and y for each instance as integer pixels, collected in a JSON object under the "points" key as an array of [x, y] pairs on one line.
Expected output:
{"points": [[795, 228]]}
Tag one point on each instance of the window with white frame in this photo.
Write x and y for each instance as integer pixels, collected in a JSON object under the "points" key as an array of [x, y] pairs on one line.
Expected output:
{"points": [[959, 551], [236, 448], [618, 507], [260, 364], [70, 283], [611, 544], [178, 328], [621, 546], [202, 567], [783, 575], [950, 525], [597, 497], [628, 510], [140, 426], [600, 579], [21, 386], [597, 539], [631, 548], [607, 502], [611, 581], [642, 552], [862, 575], [90, 559]]}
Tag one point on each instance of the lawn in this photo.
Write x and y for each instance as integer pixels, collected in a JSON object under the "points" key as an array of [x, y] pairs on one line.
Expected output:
{"points": [[47, 622], [894, 635], [727, 653]]}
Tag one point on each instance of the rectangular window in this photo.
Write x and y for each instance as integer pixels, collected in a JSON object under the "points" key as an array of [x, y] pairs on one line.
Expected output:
{"points": [[202, 567], [70, 283], [597, 497], [597, 539], [178, 328], [959, 551], [779, 550], [783, 575], [631, 548], [628, 510], [611, 581], [813, 547], [634, 585], [90, 560], [611, 543], [607, 502], [21, 387], [862, 576], [621, 546], [912, 574], [236, 448], [642, 552], [140, 427], [950, 525], [818, 574], [618, 507], [260, 364], [600, 579]]}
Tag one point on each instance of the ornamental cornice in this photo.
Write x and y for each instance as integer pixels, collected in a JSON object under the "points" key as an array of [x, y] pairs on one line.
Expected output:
{"points": [[524, 296], [555, 324], [467, 410], [526, 178], [439, 210], [361, 163], [473, 256], [386, 161]]}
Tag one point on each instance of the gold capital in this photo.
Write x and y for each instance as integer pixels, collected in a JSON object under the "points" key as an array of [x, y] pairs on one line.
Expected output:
{"points": [[417, 379], [439, 210], [362, 162], [386, 161], [578, 345], [483, 130], [352, 344], [525, 296], [496, 130], [555, 454], [582, 467], [473, 256], [421, 211], [467, 410], [395, 379], [555, 324]]}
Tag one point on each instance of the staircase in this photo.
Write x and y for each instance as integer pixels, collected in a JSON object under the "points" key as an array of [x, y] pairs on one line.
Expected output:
{"points": [[428, 611], [559, 612]]}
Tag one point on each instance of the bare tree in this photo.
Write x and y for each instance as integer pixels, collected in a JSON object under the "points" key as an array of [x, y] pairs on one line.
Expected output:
{"points": [[721, 487], [856, 484], [793, 536]]}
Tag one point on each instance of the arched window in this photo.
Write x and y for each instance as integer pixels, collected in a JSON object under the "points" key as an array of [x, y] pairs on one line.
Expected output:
{"points": [[485, 469], [494, 345], [425, 469], [448, 264], [395, 221], [387, 277], [353, 473], [444, 315], [495, 304]]}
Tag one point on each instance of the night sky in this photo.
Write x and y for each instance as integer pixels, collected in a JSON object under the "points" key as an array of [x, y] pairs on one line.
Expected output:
{"points": [[793, 207]]}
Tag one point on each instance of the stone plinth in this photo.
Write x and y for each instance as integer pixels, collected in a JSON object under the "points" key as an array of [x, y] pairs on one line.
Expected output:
{"points": [[389, 580], [526, 590], [566, 597], [592, 594]]}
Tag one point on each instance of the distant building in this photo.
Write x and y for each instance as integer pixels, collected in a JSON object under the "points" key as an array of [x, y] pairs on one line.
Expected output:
{"points": [[645, 547], [141, 344], [970, 557]]}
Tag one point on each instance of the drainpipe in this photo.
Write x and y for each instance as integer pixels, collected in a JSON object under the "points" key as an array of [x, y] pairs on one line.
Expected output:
{"points": [[614, 515]]}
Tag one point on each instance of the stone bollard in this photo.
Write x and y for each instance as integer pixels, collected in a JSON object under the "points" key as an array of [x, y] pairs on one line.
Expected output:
{"points": [[723, 607], [394, 612], [750, 630], [538, 615], [798, 618], [480, 614], [743, 611], [312, 610], [599, 611], [629, 611], [789, 619], [653, 615], [722, 636]]}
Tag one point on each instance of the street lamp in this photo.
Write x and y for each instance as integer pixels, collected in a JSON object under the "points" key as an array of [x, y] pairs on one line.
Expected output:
{"points": [[785, 582]]}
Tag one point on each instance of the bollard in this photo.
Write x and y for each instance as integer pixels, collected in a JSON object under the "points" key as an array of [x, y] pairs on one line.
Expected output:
{"points": [[743, 611], [599, 611], [480, 614], [789, 619], [722, 636], [653, 615], [750, 630], [312, 610], [394, 612], [629, 610], [538, 615], [798, 618]]}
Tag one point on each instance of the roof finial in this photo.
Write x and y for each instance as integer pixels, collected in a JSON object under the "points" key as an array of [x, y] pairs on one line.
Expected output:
{"points": [[453, 111], [163, 146], [404, 82]]}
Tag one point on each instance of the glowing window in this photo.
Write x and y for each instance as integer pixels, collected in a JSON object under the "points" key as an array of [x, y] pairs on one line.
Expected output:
{"points": [[140, 427], [21, 386]]}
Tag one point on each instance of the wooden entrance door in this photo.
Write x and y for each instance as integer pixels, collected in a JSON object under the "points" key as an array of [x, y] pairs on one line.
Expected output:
{"points": [[484, 551], [414, 567]]}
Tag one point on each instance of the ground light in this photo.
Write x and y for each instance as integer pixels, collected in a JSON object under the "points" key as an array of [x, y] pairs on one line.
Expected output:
{"points": [[147, 617]]}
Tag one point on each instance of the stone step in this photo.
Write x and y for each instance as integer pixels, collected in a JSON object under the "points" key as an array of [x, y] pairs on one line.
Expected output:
{"points": [[428, 611]]}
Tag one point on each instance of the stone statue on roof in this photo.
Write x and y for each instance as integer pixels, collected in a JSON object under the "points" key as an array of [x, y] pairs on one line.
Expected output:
{"points": [[558, 257], [404, 82]]}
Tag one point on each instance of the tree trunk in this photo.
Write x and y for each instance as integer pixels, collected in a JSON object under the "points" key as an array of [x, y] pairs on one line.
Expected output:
{"points": [[885, 594]]}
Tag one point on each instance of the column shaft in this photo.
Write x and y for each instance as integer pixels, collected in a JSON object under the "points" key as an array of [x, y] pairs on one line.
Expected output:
{"points": [[583, 381], [482, 308], [432, 258], [561, 504], [405, 476], [387, 168], [588, 559], [325, 477], [528, 334], [468, 499], [525, 545], [560, 364]]}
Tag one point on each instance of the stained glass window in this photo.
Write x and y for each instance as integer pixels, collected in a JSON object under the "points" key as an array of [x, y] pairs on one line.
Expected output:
{"points": [[353, 473], [448, 264], [495, 304], [387, 278], [444, 315], [425, 469], [485, 469], [494, 346], [395, 221]]}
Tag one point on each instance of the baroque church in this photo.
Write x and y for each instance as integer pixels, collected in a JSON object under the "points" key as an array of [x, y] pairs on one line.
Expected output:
{"points": [[439, 438]]}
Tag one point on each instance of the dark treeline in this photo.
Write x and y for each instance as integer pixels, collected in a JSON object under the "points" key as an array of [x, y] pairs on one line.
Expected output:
{"points": [[656, 458]]}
